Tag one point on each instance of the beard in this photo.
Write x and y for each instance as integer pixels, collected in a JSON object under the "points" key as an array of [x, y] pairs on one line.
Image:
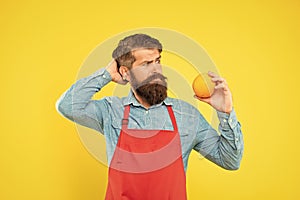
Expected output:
{"points": [[152, 93]]}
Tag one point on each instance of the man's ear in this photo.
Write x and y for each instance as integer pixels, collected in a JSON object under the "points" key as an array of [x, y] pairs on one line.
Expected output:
{"points": [[124, 72]]}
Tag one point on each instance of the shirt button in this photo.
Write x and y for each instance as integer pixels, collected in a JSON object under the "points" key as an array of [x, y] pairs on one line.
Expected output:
{"points": [[230, 120], [224, 120], [147, 111], [236, 139], [104, 76]]}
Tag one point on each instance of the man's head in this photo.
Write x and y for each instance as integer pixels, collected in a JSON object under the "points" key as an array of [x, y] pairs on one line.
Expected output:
{"points": [[123, 53], [138, 59]]}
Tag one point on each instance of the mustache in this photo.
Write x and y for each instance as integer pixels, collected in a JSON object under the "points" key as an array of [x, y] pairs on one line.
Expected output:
{"points": [[153, 77]]}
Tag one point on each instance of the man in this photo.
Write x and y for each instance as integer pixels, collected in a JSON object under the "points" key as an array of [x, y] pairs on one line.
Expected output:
{"points": [[149, 136]]}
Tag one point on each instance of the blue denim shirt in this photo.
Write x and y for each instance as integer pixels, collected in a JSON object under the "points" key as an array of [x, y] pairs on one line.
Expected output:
{"points": [[105, 115]]}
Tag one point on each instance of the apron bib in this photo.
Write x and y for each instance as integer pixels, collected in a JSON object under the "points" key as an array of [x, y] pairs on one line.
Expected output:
{"points": [[147, 164]]}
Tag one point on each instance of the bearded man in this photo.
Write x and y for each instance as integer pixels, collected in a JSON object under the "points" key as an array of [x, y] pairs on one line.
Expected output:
{"points": [[149, 136]]}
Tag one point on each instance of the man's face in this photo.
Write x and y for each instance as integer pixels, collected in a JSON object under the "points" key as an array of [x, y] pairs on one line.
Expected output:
{"points": [[146, 76]]}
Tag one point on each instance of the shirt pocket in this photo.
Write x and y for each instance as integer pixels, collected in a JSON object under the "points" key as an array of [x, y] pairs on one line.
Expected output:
{"points": [[187, 137], [117, 125]]}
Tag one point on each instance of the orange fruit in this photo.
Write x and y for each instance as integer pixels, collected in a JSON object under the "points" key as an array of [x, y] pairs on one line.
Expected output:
{"points": [[202, 86]]}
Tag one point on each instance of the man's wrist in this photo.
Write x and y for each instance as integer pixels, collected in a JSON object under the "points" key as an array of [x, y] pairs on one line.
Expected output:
{"points": [[106, 75], [227, 119]]}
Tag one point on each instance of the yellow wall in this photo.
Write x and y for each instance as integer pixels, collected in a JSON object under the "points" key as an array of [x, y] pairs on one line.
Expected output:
{"points": [[43, 43]]}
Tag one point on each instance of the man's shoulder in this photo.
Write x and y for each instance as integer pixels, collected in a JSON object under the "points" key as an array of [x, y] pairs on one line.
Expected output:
{"points": [[114, 101]]}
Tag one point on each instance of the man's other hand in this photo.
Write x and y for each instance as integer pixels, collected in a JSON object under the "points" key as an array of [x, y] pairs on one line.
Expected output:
{"points": [[221, 98], [114, 73]]}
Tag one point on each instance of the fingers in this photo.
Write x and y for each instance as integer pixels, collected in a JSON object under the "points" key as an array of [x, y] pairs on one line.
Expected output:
{"points": [[212, 74], [220, 83], [112, 63], [216, 78], [222, 86], [206, 100]]}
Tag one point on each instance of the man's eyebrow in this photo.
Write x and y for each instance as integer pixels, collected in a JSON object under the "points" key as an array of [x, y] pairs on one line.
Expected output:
{"points": [[145, 61]]}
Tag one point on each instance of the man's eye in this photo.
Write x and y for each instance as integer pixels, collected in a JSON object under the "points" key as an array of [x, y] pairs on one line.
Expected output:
{"points": [[150, 62]]}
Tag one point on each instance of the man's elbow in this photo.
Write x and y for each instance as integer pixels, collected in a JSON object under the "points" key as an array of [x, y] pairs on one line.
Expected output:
{"points": [[233, 160], [233, 165], [62, 108]]}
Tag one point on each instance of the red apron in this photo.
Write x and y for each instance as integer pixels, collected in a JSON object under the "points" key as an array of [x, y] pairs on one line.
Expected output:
{"points": [[147, 164]]}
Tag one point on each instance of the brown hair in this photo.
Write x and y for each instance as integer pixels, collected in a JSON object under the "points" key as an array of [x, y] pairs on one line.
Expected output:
{"points": [[123, 53]]}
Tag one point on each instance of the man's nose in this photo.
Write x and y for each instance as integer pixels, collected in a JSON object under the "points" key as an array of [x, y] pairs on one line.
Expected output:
{"points": [[156, 67]]}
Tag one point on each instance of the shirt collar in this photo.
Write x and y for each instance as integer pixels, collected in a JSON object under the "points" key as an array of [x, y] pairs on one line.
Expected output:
{"points": [[130, 99]]}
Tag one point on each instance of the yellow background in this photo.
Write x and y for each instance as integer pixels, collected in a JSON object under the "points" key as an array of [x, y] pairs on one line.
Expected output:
{"points": [[255, 45]]}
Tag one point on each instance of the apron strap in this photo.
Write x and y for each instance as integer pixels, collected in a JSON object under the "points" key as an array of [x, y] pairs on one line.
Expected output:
{"points": [[171, 113], [126, 116]]}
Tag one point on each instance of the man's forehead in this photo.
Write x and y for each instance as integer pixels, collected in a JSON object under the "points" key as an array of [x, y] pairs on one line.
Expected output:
{"points": [[143, 53]]}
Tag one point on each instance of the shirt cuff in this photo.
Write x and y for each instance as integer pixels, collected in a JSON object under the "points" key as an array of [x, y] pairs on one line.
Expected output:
{"points": [[103, 77], [227, 120]]}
